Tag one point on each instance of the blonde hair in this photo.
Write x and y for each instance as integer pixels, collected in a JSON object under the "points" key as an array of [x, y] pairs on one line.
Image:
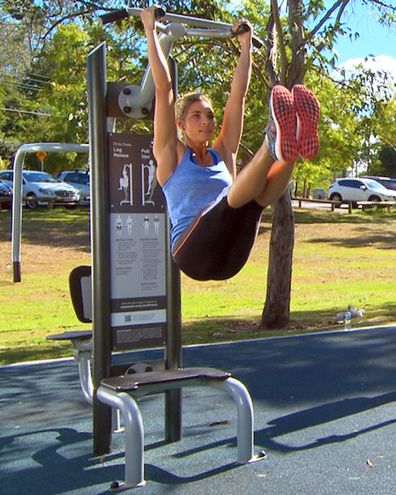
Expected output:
{"points": [[183, 102]]}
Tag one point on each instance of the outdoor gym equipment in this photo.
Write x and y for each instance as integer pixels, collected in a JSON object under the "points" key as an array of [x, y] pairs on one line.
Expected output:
{"points": [[135, 284], [81, 295], [136, 101], [143, 378], [192, 26], [16, 228]]}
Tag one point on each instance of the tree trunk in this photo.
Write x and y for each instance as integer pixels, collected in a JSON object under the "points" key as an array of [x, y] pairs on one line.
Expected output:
{"points": [[276, 312]]}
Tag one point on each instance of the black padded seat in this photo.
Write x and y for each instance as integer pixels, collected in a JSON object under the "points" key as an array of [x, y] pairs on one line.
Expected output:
{"points": [[81, 292]]}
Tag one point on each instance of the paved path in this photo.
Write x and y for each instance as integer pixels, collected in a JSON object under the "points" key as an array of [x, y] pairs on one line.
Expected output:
{"points": [[325, 407]]}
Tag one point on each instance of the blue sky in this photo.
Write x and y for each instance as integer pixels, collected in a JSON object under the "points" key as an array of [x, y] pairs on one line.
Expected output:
{"points": [[374, 39]]}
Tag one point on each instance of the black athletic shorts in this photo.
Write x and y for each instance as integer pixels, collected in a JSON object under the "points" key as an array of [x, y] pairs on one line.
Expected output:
{"points": [[218, 243]]}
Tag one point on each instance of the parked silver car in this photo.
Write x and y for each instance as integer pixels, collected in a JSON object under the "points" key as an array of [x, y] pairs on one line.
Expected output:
{"points": [[79, 179], [360, 190], [42, 188]]}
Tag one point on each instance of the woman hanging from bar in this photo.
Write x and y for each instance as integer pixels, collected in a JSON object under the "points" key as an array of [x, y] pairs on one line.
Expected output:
{"points": [[215, 212]]}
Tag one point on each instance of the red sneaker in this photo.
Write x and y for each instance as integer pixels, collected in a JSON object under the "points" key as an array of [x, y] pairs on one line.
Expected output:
{"points": [[308, 112], [281, 128]]}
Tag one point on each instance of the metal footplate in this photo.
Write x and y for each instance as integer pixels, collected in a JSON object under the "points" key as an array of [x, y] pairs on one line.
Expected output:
{"points": [[162, 380]]}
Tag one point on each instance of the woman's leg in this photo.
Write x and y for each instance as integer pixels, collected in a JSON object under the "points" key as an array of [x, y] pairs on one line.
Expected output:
{"points": [[292, 130], [263, 180], [279, 147], [251, 180]]}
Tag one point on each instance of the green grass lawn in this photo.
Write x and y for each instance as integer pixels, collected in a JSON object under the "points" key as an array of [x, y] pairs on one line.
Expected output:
{"points": [[339, 259]]}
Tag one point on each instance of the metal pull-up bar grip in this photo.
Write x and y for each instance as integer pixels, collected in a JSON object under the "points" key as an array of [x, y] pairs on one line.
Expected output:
{"points": [[213, 28], [118, 15], [114, 16]]}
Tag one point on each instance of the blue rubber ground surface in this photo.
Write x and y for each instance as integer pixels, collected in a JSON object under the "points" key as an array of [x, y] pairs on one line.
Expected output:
{"points": [[325, 414]]}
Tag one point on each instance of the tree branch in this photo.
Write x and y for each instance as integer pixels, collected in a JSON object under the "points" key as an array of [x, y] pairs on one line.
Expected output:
{"points": [[326, 17], [281, 40], [59, 21], [270, 52], [381, 4], [296, 70]]}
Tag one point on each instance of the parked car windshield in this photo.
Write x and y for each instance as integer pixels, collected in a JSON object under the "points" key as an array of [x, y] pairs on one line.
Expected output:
{"points": [[34, 176], [391, 184], [385, 181], [77, 177], [4, 187], [373, 184]]}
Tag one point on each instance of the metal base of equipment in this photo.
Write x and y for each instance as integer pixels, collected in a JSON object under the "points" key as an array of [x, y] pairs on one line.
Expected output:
{"points": [[113, 393]]}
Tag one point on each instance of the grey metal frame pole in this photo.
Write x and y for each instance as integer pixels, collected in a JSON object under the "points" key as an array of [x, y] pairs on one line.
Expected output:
{"points": [[100, 235], [173, 399], [101, 292], [16, 227]]}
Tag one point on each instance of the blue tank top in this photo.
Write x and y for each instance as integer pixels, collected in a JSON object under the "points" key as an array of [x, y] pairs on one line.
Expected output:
{"points": [[191, 188]]}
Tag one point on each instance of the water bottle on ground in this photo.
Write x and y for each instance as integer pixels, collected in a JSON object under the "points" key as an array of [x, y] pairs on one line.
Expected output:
{"points": [[347, 320]]}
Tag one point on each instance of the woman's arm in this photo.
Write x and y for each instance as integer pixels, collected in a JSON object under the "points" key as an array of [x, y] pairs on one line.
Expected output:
{"points": [[231, 131], [165, 133]]}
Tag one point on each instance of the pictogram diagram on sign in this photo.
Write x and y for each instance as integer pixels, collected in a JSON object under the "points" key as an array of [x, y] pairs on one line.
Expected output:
{"points": [[126, 184], [149, 182]]}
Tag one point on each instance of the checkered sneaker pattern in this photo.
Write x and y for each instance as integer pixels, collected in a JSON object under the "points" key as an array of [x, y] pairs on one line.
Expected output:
{"points": [[281, 126], [308, 112]]}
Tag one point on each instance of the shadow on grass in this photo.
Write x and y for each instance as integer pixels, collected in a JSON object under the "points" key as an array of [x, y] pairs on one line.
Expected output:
{"points": [[308, 217], [368, 216], [62, 227], [217, 329], [221, 329], [70, 228], [23, 354], [5, 283], [377, 238]]}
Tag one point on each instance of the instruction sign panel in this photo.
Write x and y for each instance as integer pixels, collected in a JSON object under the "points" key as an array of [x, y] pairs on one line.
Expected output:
{"points": [[137, 244]]}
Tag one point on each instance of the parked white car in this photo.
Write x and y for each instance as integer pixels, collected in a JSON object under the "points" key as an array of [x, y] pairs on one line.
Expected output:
{"points": [[360, 190], [79, 179], [41, 187]]}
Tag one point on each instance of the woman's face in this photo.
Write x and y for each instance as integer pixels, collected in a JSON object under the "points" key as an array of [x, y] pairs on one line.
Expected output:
{"points": [[199, 123]]}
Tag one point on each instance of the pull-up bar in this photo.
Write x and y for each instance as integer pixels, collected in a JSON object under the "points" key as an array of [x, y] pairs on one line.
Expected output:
{"points": [[211, 29], [136, 101]]}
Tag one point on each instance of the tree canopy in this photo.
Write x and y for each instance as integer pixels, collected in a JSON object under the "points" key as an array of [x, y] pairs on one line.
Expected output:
{"points": [[43, 90]]}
